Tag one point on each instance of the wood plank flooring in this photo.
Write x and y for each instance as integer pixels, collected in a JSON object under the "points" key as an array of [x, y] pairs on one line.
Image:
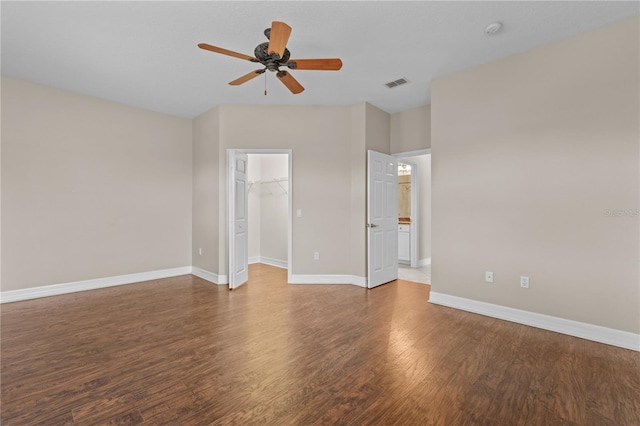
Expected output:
{"points": [[182, 351]]}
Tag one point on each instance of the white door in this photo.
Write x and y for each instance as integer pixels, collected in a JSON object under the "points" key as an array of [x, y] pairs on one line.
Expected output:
{"points": [[382, 218], [237, 233]]}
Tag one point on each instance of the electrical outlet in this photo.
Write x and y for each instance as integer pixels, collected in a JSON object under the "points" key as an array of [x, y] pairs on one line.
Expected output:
{"points": [[200, 251], [524, 282], [488, 277], [316, 255], [299, 213]]}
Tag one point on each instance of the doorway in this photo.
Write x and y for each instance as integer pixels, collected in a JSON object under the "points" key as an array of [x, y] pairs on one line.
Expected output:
{"points": [[414, 232], [268, 189], [408, 212], [259, 212]]}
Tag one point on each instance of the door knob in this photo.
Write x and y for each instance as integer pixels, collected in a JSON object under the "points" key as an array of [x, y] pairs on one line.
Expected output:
{"points": [[372, 225]]}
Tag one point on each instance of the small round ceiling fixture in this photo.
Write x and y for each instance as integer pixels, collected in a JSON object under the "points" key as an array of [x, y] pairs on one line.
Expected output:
{"points": [[493, 28]]}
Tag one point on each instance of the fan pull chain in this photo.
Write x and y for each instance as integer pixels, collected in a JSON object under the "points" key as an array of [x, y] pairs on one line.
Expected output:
{"points": [[265, 84]]}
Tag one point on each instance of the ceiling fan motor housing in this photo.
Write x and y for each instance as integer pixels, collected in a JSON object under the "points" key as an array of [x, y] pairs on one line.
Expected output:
{"points": [[272, 62]]}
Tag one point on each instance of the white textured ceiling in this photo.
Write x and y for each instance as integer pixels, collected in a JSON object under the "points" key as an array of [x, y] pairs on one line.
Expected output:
{"points": [[144, 53]]}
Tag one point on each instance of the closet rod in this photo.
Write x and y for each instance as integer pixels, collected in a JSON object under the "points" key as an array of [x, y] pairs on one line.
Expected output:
{"points": [[282, 179], [276, 180]]}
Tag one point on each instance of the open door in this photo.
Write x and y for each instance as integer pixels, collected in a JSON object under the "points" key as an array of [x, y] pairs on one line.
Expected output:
{"points": [[382, 218], [237, 232]]}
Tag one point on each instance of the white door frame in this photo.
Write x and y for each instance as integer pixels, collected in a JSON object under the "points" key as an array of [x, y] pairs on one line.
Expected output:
{"points": [[415, 209], [415, 200], [289, 153]]}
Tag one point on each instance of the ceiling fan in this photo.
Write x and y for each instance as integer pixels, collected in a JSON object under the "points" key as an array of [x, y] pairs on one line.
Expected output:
{"points": [[273, 55]]}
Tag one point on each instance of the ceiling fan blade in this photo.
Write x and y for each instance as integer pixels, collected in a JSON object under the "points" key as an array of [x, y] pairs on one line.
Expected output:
{"points": [[291, 83], [246, 77], [329, 64], [216, 49], [279, 37]]}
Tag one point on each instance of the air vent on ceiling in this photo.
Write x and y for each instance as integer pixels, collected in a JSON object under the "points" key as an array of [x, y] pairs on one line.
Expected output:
{"points": [[397, 82]]}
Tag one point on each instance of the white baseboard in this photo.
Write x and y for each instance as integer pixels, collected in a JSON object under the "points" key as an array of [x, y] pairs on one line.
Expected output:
{"points": [[209, 276], [424, 262], [596, 333], [274, 262], [94, 284], [72, 287], [359, 281], [327, 279], [254, 259]]}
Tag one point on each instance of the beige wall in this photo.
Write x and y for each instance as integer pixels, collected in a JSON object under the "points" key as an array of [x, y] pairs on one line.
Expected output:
{"points": [[254, 205], [378, 129], [90, 188], [328, 182], [320, 140], [410, 130], [1, 188], [206, 195], [358, 187], [274, 207], [268, 204], [529, 153]]}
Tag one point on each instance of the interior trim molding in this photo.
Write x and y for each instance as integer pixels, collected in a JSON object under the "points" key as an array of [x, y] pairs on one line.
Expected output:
{"points": [[94, 284], [328, 279], [75, 286], [269, 261], [209, 276], [583, 330], [424, 262], [274, 262]]}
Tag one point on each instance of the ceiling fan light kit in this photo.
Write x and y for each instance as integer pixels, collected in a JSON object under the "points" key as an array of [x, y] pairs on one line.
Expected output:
{"points": [[273, 55]]}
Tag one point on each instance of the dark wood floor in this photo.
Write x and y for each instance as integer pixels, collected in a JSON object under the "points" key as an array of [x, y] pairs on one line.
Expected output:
{"points": [[182, 351]]}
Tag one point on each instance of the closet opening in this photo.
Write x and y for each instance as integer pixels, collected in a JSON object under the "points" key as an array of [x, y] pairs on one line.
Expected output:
{"points": [[259, 217], [268, 190]]}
